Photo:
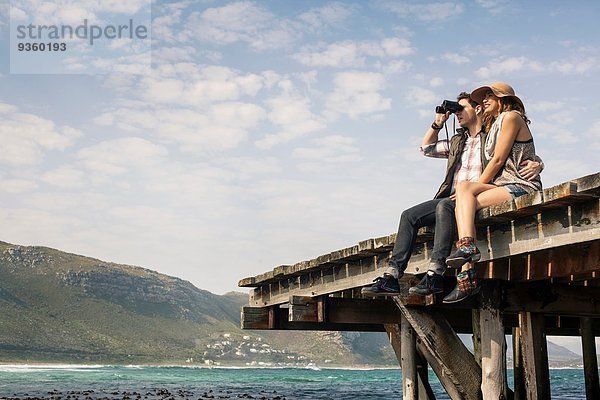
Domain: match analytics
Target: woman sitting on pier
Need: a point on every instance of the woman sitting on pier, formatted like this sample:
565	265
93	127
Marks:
509	143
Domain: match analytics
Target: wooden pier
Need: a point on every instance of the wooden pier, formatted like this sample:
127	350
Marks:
540	272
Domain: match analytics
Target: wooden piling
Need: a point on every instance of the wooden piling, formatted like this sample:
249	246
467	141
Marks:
476	337
493	344
408	361
590	361
518	372
535	356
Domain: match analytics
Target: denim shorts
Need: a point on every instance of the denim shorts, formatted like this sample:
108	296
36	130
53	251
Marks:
515	190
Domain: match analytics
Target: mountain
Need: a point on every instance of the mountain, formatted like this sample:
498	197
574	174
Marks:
62	307
57	306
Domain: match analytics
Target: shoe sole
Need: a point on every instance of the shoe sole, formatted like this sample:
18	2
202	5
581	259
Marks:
459	262
425	294
380	294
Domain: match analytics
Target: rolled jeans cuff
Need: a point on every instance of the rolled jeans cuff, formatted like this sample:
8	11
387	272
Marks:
391	271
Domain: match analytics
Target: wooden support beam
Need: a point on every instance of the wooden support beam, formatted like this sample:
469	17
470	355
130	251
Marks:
535	356
408	361
277	319
552	298
393	332
518	371
448	356
590	361
494	383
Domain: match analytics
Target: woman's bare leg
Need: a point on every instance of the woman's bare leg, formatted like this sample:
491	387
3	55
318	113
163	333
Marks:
467	204
471	203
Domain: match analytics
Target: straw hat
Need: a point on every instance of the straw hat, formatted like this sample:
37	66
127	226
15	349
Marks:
500	89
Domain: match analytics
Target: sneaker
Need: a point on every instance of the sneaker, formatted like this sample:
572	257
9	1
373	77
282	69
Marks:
466	252
385	285
431	283
466	285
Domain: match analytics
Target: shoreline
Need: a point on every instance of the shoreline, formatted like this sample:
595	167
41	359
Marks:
313	366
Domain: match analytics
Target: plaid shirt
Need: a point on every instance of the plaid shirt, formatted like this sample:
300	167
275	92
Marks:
469	167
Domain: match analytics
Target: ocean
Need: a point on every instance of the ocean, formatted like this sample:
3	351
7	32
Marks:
78	382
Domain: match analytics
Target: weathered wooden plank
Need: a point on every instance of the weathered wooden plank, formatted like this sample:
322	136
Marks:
559	262
589	184
303	313
254	318
590	361
552	298
452	361
535	356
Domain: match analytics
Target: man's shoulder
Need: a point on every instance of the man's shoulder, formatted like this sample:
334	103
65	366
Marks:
458	135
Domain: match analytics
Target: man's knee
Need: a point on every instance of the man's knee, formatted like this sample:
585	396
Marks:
411	214
445	207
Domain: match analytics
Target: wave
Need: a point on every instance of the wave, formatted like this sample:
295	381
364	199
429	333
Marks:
50	367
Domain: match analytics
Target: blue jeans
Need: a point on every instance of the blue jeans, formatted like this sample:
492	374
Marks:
515	190
438	212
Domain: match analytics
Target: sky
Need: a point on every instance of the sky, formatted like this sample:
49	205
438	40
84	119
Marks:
252	134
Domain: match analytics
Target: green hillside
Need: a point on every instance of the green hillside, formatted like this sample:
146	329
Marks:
61	307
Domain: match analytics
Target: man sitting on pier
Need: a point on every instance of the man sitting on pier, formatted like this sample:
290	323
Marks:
466	161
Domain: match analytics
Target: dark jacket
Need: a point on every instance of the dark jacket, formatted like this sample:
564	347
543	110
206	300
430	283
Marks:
457	145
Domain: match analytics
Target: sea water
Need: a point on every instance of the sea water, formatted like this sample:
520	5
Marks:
72	382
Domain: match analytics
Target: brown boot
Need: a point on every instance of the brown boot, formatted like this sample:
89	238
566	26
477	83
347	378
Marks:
466	285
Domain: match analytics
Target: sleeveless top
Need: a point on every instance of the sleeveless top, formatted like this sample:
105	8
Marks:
520	151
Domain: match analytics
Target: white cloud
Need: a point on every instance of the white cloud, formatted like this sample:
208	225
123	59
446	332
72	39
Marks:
436	81
241	21
455	58
196	107
426	12
168	18
395	67
501	66
330	149
558	133
357	93
17	185
292	115
25	138
578	66
334	14
354	54
190	84
17	14
593	135
218	127
544	106
421	96
494	6
119	156
64	177
74	11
